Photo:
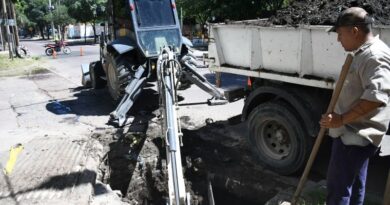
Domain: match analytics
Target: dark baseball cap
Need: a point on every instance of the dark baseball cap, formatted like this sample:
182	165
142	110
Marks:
353	16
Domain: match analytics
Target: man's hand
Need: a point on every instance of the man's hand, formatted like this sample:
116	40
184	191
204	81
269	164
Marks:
331	120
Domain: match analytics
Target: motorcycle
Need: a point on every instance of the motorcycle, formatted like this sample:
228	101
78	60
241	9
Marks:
58	46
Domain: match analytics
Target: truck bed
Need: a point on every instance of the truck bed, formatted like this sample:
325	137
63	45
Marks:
306	55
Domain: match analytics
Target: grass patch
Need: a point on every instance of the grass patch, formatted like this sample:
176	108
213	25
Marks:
18	66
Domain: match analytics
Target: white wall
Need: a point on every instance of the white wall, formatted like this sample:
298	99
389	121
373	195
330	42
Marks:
77	30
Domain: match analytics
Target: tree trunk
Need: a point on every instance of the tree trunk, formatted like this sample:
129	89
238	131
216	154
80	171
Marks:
41	32
63	29
94	31
48	32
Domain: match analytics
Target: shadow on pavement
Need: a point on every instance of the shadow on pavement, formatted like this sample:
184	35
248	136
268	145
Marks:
60	182
89	102
86	103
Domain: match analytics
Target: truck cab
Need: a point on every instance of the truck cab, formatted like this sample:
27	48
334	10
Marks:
134	34
149	25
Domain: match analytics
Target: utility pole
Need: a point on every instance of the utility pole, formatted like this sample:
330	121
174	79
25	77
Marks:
59	26
7	31
51	14
181	18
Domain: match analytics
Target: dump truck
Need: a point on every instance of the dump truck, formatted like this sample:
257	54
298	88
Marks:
292	71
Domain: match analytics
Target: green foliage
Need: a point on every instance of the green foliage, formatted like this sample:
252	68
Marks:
60	16
86	10
22	19
35	11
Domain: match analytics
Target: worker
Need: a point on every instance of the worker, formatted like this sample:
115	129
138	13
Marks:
362	113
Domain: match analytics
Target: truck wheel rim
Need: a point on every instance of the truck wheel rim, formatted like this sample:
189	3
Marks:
274	140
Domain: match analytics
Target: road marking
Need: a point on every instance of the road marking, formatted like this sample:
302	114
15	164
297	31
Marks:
13	155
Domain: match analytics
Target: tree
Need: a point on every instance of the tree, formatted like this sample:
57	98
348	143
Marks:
22	18
98	9
35	11
61	18
86	11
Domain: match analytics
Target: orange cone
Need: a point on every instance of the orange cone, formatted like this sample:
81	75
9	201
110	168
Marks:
249	82
81	51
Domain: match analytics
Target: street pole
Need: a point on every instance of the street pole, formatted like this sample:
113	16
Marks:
7	31
181	18
51	14
59	26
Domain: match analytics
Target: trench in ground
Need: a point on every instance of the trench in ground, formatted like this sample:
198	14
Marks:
134	161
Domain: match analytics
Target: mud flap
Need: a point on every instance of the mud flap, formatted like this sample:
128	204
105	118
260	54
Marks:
234	93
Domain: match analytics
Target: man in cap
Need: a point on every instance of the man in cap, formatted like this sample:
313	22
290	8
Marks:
362	113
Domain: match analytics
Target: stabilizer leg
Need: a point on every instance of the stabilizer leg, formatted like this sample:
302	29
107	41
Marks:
196	78
133	89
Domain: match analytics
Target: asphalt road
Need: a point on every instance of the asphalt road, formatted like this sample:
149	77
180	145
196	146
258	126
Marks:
66	65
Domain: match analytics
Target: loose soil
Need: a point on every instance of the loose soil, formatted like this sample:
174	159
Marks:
321	12
214	154
134	162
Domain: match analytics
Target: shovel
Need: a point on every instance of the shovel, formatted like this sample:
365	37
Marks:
332	104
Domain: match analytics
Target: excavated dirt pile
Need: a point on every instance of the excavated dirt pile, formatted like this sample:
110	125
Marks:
321	12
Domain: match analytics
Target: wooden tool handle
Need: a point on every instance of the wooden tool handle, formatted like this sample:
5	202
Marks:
386	197
332	104
340	83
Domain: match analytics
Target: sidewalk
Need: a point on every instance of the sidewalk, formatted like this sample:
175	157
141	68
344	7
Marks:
51	170
59	161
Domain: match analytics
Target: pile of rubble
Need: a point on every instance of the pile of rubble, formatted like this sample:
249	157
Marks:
322	12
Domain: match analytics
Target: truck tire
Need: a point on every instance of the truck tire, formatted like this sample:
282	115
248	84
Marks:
117	76
96	72
277	138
